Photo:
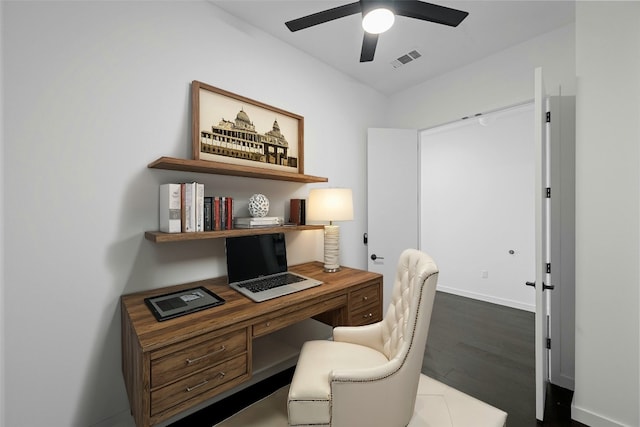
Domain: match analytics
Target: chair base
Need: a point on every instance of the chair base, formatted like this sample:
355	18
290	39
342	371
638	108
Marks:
437	405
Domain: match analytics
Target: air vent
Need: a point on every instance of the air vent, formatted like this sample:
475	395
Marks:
405	59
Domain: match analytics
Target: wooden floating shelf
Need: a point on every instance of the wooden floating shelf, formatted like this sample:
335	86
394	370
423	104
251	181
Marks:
218	168
159	237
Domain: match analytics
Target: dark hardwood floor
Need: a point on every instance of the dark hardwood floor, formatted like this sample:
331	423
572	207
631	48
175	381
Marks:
488	351
482	349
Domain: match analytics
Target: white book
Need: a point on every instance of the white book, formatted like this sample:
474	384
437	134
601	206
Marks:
258	220
170	205
199	199
188	207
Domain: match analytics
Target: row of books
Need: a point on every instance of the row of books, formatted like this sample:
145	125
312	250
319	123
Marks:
185	209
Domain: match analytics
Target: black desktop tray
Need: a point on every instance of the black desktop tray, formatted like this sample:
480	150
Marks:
176	304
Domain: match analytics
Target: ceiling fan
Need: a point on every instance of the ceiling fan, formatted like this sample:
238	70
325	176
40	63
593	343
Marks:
378	16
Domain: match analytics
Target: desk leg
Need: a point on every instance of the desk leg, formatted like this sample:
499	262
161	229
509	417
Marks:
337	317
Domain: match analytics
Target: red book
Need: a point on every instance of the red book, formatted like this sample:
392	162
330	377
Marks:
229	213
295	212
216	209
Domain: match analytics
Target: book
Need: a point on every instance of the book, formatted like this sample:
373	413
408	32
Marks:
251	222
223	213
217	223
199	202
256	225
208	213
170	208
271	220
229	213
188	207
297	211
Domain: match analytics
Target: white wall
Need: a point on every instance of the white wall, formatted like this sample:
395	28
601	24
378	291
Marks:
95	91
607	214
477	193
2	268
497	81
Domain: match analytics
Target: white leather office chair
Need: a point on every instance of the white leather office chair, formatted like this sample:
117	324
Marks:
368	375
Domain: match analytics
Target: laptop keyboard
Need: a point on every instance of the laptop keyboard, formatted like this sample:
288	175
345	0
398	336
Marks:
271	282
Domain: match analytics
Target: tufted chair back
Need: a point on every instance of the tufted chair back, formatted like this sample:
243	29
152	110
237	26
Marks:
399	323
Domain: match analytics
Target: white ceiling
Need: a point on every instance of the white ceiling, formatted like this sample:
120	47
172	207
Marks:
491	26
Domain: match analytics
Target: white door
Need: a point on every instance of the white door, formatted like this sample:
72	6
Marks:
392	200
542	279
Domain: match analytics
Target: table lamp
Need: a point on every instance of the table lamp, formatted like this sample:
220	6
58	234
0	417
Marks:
330	204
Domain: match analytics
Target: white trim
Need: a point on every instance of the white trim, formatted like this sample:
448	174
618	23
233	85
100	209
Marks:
591	419
488	298
463	120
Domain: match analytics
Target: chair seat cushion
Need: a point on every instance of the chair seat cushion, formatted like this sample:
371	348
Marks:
309	400
438	405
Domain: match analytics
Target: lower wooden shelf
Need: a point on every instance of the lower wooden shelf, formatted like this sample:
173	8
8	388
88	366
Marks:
160	237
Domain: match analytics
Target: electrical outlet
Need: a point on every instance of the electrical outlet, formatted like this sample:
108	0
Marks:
484	274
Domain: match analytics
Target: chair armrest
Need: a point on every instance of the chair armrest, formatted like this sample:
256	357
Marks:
368	335
369	375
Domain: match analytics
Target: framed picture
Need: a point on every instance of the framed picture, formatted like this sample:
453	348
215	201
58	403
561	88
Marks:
230	128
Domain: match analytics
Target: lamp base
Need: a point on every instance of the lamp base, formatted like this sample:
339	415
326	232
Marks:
331	248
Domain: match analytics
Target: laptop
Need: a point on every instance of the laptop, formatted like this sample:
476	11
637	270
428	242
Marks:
257	267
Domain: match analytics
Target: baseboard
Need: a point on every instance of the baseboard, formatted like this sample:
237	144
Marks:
589	418
488	298
121	419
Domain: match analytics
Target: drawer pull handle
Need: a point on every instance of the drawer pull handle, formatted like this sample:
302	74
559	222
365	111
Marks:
365	298
222	375
367	316
197	385
197	359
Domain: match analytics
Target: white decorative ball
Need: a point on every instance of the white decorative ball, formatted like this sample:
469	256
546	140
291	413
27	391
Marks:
258	205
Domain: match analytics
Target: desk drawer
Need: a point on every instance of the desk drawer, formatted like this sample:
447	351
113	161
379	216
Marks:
365	296
195	354
365	315
192	386
286	317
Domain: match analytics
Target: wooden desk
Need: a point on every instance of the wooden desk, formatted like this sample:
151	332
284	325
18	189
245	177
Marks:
171	366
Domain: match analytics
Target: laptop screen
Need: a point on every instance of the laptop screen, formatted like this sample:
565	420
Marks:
249	257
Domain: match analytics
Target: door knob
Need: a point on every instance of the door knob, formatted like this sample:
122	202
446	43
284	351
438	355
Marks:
375	257
544	286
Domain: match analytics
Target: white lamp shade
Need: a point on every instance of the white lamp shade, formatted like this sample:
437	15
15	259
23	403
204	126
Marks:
330	204
378	21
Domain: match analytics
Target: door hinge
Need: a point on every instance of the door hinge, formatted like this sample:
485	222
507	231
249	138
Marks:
549	343
548	267
548	116
548	192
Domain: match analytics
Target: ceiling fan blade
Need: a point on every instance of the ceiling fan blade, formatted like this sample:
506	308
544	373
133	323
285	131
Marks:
324	16
368	47
429	12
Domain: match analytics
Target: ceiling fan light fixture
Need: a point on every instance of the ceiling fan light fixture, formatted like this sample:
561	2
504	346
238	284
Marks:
378	21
